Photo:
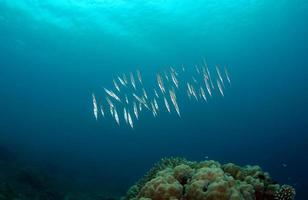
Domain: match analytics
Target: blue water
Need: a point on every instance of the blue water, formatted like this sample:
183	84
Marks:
55	53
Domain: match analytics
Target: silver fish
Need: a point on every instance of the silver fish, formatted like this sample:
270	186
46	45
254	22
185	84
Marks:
111	109
166	76
173	71
130	120
125	115
203	70
153	109
197	69
95	110
140	107
132	80
156	94
102	111
109	102
188	94
167	104
144	93
194	79
210	79
116	116
121	81
139	76
219	76
193	92
124	78
173	99
207	85
135	110
220	87
189	88
174	80
145	104
160	83
112	94
111	106
183	68
208	73
227	76
116	85
156	104
126	99
139	99
203	94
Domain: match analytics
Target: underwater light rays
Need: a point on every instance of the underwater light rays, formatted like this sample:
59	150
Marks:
126	18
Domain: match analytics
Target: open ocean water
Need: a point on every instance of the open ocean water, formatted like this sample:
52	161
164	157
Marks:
54	54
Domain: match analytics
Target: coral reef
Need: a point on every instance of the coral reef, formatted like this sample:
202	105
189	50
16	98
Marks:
286	192
151	174
177	178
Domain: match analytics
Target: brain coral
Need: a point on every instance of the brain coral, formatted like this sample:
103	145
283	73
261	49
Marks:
179	179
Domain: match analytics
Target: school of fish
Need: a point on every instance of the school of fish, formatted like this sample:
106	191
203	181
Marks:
128	97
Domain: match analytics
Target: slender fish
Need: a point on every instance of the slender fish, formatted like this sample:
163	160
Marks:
140	107
203	94
124	78
126	99
197	69
144	93
139	99
167	104
116	116
183	68
166	76
116	85
112	94
208	73
160	83
111	109
220	87
193	92
174	80
125	115
153	109
102	111
207	85
156	94
156	104
227	76
121	81
95	110
173	99
219	76
135	110
130	120
139	76
109	102
132	80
